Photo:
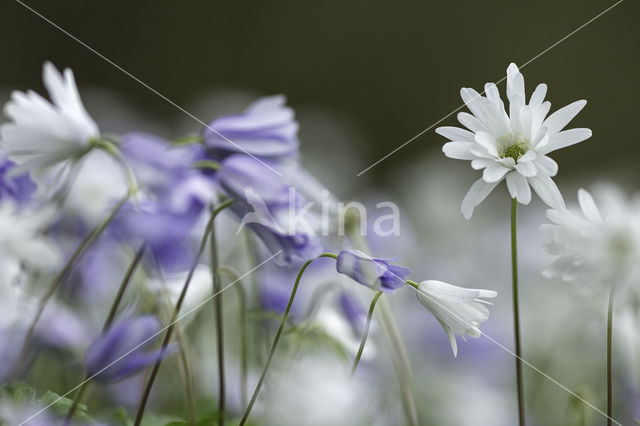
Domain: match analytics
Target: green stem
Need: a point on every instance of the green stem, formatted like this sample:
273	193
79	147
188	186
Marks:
187	377
283	322
366	332
243	330
59	279
609	364
219	326
123	287
397	349
147	391
107	323
516	309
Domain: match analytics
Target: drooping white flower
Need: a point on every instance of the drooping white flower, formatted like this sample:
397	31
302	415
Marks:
42	133
459	310
595	244
513	145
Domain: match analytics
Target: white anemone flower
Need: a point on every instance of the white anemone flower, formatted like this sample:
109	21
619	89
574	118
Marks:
514	145
459	310
595	244
42	133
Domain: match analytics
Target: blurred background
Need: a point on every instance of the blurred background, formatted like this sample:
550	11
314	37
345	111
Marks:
365	77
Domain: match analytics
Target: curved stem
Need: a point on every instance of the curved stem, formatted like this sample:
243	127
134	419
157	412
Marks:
59	279
242	302
283	322
203	242
397	349
609	364
516	309
107	323
219	325
366	332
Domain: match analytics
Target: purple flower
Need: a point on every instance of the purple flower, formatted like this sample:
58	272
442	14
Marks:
266	129
157	164
271	208
19	188
110	351
371	272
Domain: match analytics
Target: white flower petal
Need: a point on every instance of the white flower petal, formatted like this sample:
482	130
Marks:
495	172
477	193
559	119
455	133
547	191
481	163
538	96
526	169
519	188
458	150
565	139
488	141
546	165
588	206
515	83
471	122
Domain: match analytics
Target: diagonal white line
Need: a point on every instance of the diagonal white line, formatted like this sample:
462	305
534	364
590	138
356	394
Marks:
498	82
189	312
503	347
76	39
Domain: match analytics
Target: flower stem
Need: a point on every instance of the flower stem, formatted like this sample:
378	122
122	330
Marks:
219	325
242	302
366	332
176	311
397	349
107	323
609	347
283	322
516	310
59	279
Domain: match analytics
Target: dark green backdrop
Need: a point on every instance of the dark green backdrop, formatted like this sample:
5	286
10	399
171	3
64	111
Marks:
395	67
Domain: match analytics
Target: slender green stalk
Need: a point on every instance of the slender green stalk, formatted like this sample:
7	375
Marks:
366	332
242	315
516	309
219	325
123	287
187	377
397	349
147	391
107	323
59	279
609	364
283	322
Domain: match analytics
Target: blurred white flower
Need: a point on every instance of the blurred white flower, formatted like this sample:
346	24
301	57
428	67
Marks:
459	310
595	244
98	183
43	133
317	390
512	146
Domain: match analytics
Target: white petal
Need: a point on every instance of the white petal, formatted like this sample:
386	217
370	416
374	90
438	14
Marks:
546	165
455	133
488	141
547	191
495	172
588	206
538	96
471	99
458	150
494	95
527	157
477	193
515	83
519	188
526	169
565	139
471	122
481	163
556	121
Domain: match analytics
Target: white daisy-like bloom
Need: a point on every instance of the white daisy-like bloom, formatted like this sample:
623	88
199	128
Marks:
595	245
42	133
459	310
512	146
